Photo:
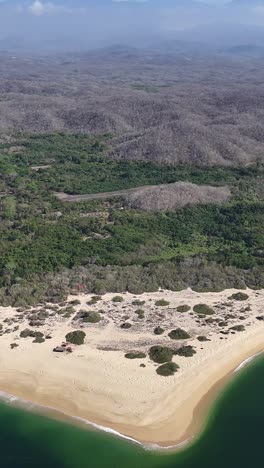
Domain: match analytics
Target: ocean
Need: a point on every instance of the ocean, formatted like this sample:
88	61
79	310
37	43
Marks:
233	436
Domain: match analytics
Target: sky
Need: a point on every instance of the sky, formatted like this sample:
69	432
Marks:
92	23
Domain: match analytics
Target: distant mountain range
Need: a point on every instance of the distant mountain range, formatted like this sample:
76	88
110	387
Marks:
122	3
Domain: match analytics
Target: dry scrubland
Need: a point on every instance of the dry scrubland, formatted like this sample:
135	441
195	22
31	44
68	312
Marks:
164	197
112	376
163	107
176	196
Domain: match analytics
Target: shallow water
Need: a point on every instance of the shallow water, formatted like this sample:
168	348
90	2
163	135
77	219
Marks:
233	436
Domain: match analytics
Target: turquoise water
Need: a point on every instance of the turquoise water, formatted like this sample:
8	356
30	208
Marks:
233	436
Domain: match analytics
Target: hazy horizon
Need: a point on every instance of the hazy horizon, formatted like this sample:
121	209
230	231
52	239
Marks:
94	23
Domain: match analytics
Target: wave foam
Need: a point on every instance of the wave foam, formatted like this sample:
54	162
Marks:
8	398
247	361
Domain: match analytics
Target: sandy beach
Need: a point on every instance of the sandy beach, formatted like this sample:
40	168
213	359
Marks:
97	383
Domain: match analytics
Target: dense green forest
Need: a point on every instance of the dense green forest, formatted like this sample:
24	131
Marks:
41	237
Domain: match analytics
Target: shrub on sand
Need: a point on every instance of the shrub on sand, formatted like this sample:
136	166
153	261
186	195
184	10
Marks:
161	354
183	308
203	309
202	338
187	351
91	317
167	369
179	334
239	296
117	299
135	355
140	313
75	337
162	303
238	328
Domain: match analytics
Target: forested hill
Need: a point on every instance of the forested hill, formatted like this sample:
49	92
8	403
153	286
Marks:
49	247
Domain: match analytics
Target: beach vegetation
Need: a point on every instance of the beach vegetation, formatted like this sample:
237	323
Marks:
203	309
138	302
76	337
27	333
239	296
187	351
202	338
238	328
179	334
140	313
158	330
117	299
161	354
162	303
135	355
89	317
75	302
167	369
94	300
39	339
183	308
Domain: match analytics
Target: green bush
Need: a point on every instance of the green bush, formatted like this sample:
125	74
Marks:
239	296
75	302
94	300
117	299
161	354
203	309
67	315
39	339
183	308
187	351
137	302
135	355
167	369
158	330
238	328
202	338
140	313
162	303
90	317
31	334
75	337
179	334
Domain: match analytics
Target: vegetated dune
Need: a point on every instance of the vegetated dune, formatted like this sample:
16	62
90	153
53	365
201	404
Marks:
208	110
176	196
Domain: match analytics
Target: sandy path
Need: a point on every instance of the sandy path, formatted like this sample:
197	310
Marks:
65	197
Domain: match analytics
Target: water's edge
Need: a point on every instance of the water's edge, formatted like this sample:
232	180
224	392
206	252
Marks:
28	405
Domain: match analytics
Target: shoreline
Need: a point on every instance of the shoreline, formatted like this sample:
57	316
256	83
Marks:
96	387
53	413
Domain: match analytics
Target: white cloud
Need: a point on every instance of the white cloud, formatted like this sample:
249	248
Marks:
40	8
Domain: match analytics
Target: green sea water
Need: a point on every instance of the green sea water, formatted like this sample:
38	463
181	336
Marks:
233	438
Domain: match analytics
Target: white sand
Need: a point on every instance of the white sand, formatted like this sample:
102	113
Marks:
102	386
